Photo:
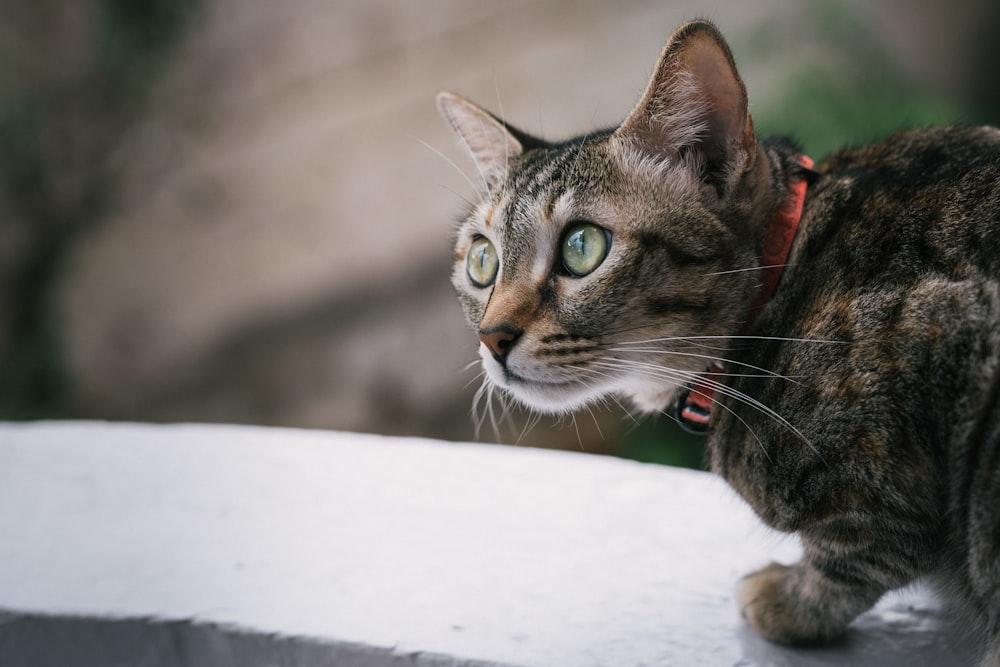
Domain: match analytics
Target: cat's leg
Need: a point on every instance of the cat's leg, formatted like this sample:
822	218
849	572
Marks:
798	604
814	600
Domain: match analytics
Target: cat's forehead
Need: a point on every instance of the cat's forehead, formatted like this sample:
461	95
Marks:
590	179
578	163
547	184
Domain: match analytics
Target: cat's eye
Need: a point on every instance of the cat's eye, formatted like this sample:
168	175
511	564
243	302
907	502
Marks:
482	263
584	247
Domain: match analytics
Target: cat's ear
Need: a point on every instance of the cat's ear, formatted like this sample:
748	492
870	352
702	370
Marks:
491	142
695	106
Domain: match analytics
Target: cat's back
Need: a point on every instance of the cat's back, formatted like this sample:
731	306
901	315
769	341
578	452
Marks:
921	200
898	262
927	198
889	311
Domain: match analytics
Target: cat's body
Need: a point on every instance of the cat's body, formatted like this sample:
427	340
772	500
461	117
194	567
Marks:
859	406
897	260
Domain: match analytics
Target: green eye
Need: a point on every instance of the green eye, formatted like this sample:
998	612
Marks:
481	264
584	247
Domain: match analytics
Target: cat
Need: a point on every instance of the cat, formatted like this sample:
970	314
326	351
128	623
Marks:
834	328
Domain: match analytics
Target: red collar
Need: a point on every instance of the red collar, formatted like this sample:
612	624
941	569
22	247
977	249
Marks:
694	406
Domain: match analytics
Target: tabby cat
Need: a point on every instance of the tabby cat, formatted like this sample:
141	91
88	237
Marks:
836	329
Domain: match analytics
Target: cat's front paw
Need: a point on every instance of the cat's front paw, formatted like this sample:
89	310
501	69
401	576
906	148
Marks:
772	604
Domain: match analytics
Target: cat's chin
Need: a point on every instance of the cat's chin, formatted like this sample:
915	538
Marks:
550	397
563	397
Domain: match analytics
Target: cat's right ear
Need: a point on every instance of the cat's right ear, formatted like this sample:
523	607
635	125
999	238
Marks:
694	108
491	142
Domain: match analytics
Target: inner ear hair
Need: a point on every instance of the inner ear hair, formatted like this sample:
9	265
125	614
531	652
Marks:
695	105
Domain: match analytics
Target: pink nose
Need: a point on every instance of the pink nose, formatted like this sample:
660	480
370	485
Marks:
499	340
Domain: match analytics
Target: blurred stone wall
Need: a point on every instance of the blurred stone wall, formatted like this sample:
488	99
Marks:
253	224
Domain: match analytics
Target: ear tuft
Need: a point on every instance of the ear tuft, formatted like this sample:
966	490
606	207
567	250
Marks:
695	107
490	142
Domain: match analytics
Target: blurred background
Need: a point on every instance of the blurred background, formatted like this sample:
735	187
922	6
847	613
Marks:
241	210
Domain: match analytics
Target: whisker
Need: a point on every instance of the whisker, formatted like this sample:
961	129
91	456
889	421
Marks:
492	412
626	411
451	162
477	418
478	376
533	418
684	377
503	119
597	425
576	160
623	330
465	200
708	357
752	268
683	339
576	428
757	405
525	428
749	430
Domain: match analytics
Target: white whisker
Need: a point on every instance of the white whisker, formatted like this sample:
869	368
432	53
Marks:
684	339
503	120
492	412
533	418
752	268
707	357
576	428
468	202
478	376
749	430
451	162
576	160
481	393
597	425
684	377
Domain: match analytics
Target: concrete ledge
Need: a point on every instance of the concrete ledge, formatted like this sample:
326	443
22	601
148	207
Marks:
220	545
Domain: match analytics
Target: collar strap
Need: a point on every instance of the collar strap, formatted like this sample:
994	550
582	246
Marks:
694	406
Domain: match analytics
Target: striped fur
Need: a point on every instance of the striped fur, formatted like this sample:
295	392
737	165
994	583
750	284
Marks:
861	409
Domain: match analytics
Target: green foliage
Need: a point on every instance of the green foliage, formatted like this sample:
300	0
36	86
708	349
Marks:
136	38
846	89
663	441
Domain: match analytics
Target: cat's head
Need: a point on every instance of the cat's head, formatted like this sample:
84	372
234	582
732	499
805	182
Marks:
609	264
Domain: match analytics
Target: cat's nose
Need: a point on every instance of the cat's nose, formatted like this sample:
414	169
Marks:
499	340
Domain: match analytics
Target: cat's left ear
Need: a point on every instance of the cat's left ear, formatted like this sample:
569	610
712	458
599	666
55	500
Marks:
491	142
695	106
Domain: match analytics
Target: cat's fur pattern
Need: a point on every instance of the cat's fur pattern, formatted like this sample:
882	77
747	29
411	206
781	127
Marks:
861	408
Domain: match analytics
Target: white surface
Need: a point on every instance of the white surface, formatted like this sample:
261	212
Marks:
441	553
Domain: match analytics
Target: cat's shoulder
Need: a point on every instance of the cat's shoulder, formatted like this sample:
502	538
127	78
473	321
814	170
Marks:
920	199
944	150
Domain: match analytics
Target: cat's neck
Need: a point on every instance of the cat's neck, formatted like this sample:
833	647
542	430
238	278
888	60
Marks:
792	171
778	164
779	234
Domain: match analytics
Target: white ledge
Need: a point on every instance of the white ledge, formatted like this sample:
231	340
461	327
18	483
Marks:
221	545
